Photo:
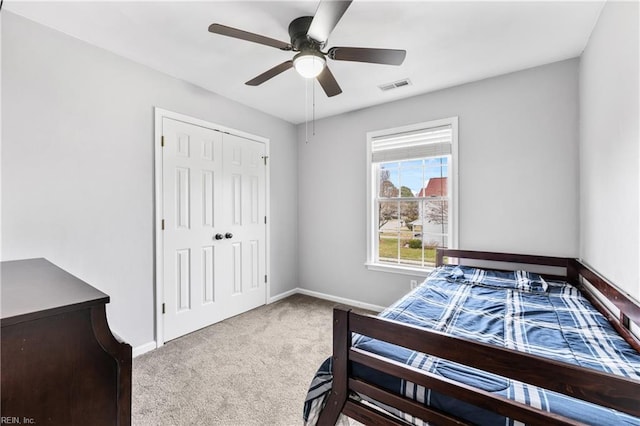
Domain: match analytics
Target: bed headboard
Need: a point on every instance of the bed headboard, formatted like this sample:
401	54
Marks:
512	258
577	272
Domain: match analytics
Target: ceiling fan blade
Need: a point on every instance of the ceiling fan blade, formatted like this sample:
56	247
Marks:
245	35
328	83
270	73
326	19
364	54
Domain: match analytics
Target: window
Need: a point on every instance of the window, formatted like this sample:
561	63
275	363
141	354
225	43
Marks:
412	195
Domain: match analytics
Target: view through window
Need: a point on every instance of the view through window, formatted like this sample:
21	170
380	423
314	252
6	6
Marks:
413	210
412	202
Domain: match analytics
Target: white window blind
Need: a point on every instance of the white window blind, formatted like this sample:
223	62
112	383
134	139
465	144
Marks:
421	143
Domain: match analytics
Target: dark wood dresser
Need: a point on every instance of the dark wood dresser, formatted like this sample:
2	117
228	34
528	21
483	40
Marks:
60	363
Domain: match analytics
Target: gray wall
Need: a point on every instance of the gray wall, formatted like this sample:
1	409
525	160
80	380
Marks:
518	176
609	147
77	166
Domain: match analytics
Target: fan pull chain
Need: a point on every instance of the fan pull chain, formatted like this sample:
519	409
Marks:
306	110
309	81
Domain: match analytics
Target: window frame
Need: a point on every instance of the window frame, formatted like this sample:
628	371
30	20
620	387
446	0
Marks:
372	262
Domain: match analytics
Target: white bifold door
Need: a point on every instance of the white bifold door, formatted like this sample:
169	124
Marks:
214	226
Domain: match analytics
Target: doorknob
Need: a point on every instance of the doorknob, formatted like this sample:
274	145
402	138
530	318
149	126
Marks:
219	236
228	235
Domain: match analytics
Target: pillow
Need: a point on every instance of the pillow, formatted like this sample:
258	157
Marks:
456	273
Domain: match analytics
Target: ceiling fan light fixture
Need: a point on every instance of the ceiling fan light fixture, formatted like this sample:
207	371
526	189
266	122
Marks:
309	63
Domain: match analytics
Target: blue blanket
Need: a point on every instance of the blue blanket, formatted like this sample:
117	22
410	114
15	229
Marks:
515	310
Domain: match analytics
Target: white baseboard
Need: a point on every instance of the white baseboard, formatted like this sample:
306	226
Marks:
143	349
138	350
342	300
117	336
324	296
282	295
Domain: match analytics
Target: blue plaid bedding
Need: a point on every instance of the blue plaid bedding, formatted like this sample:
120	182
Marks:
515	310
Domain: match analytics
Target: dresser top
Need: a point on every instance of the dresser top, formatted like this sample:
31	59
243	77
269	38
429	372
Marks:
36	288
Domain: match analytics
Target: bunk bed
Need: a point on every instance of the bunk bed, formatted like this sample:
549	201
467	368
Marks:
473	345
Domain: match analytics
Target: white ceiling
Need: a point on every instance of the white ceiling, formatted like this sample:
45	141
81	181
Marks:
447	44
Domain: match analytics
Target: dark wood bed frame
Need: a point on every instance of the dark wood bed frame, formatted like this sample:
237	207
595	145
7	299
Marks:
586	384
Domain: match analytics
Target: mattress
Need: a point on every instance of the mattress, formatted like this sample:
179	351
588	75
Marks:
515	310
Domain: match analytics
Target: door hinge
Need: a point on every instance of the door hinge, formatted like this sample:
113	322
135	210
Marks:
264	157
265	220
163	308
162	140
163	224
265	279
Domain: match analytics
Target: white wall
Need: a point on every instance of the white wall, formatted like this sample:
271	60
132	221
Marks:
518	161
77	166
609	147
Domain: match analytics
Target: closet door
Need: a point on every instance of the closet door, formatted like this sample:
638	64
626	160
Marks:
243	216
214	230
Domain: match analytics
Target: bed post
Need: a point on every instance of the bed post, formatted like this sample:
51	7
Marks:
341	346
573	276
439	257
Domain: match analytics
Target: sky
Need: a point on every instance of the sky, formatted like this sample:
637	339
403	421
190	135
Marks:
414	174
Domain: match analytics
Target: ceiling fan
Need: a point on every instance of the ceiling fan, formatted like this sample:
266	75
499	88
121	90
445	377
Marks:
309	35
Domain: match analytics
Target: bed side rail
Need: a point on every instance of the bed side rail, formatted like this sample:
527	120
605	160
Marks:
628	308
590	385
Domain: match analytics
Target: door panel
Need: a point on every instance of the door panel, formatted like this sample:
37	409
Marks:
244	164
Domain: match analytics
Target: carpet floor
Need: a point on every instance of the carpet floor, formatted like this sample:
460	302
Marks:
252	369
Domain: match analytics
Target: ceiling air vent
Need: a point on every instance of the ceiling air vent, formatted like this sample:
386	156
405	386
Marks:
395	84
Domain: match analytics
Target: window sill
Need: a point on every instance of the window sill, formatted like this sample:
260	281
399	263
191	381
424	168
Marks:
405	270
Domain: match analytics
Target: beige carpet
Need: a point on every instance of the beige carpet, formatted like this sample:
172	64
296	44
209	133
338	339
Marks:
253	369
